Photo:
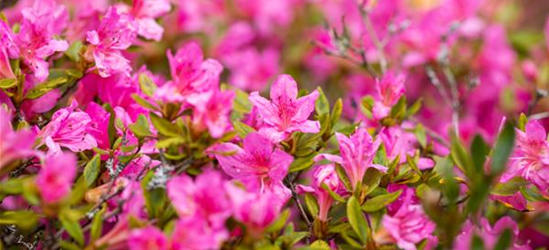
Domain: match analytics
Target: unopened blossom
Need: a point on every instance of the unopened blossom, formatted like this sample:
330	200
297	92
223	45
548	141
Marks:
68	128
489	234
285	113
13	144
389	89
144	12
115	33
203	197
255	210
406	222
530	158
215	113
55	179
194	233
357	154
324	174
35	40
148	238
259	164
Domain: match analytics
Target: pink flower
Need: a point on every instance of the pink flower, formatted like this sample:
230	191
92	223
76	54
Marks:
36	41
357	154
203	197
389	89
407	223
55	178
115	33
530	158
399	142
148	238
194	234
215	113
70	129
324	174
488	234
99	124
260	165
13	144
6	45
255	210
144	12
286	113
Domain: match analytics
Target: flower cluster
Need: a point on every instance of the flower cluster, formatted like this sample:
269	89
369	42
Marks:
260	124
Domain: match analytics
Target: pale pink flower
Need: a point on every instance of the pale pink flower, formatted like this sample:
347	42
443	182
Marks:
13	144
144	12
203	197
389	89
259	164
55	178
148	238
68	128
488	234
530	158
194	233
357	154
115	33
215	113
286	113
324	174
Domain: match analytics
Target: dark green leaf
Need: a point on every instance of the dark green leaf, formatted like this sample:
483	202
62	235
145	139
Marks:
73	228
144	103
302	163
510	187
380	201
92	169
97	224
502	149
505	240
479	150
336	112
312	204
164	126
322	105
279	223
141	127
357	219
371	180
45	87
343	177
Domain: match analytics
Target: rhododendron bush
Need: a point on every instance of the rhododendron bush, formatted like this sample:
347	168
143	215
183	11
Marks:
274	124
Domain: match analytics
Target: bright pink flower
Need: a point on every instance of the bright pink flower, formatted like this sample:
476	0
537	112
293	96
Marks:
203	197
324	174
115	33
389	89
7	48
99	124
215	113
260	165
286	113
144	12
255	210
399	142
194	233
530	158
36	37
488	234
252	69
13	144
357	154
148	238
407	223
70	129
55	178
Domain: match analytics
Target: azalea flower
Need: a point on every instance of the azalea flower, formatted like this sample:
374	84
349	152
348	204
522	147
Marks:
324	174
14	144
144	12
357	154
6	48
399	142
194	233
53	185
488	234
285	113
259	164
148	238
389	89
215	113
115	33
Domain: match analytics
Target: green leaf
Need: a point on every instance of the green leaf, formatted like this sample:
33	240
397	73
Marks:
111	129
510	187
168	142
92	169
45	87
356	219
336	112
502	149
242	102
73	52
144	103
477	243
68	245
420	134
371	180
141	127
7	83
399	110
445	167
333	194
479	150
97	224
380	201
147	84
164	126
302	163
312	204
412	110
460	156
242	129
24	219
73	228
505	240
322	105
320	245
343	177
523	120
412	163
279	223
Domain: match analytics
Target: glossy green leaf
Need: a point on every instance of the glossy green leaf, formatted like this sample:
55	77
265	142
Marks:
380	201
502	149
45	87
7	83
92	169
164	126
322	105
357	219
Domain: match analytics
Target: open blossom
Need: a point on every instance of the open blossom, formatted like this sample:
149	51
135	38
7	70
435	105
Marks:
148	238
6	48
56	176
324	174
13	144
389	89
260	165
286	113
203	197
488	234
406	222
215	113
115	33
69	129
194	233
144	12
357	154
530	158
35	40
399	142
